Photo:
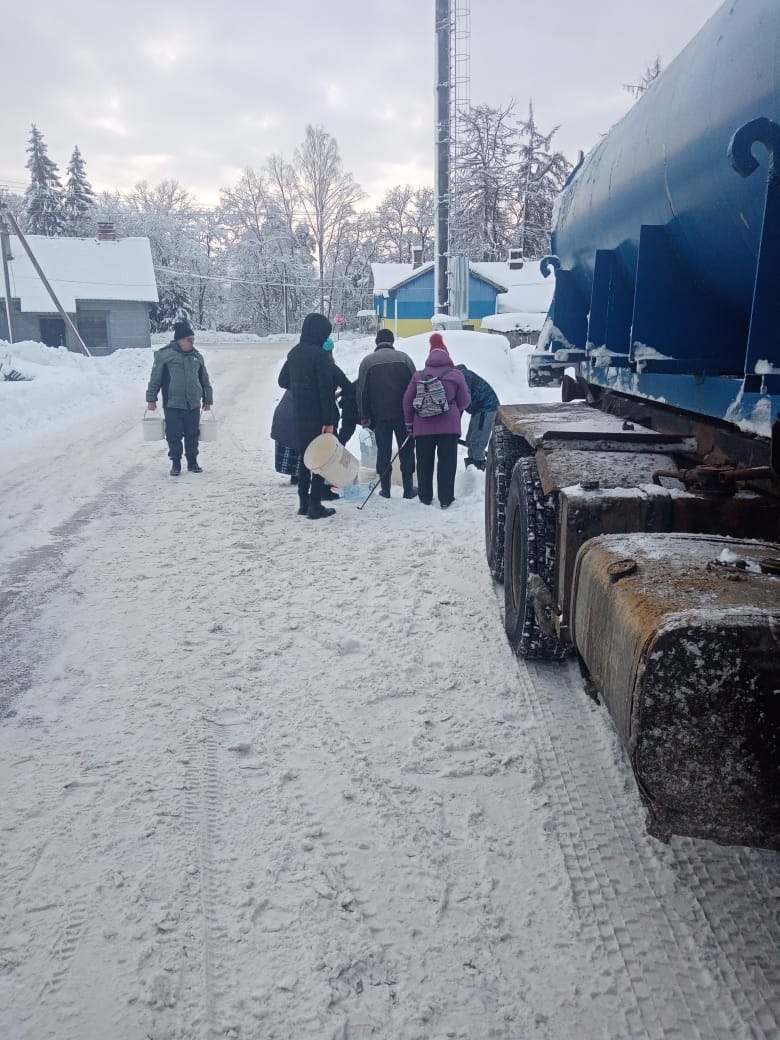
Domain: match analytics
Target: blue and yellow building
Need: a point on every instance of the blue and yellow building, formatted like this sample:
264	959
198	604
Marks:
404	297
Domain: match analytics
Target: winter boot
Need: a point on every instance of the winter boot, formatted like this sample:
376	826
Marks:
410	491
303	508
384	480
329	495
176	468
468	461
193	467
317	511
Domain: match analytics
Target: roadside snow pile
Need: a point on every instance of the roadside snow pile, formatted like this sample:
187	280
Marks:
490	356
60	384
207	338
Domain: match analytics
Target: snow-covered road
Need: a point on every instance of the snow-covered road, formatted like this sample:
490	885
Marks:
270	778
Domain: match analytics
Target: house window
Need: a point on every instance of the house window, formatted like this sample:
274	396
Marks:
93	329
52	331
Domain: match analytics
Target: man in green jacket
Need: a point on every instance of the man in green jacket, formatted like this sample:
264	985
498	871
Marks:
180	372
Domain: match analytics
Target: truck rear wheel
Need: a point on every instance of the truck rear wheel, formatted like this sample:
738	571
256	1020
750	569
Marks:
529	549
503	452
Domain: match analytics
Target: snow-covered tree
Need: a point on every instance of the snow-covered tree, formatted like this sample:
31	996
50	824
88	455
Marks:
483	182
540	176
402	221
43	213
327	195
269	255
79	198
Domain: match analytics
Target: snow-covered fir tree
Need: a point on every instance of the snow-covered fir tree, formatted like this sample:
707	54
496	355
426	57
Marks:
79	199
43	208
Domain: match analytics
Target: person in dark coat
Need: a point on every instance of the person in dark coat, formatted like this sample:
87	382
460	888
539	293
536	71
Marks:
283	433
308	375
483	408
345	412
180	372
382	381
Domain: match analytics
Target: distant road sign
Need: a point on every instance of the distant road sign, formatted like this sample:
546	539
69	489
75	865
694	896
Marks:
339	319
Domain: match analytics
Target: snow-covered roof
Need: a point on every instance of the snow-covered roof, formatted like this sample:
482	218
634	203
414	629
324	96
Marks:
389	276
517	321
529	292
82	269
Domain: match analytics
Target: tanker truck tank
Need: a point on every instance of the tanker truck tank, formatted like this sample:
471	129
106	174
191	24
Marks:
636	524
666	238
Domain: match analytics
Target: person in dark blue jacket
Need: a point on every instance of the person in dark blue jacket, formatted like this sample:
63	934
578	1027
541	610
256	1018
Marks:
483	408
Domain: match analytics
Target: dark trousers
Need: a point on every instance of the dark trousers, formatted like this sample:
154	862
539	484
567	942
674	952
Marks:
383	432
429	447
347	429
310	485
182	422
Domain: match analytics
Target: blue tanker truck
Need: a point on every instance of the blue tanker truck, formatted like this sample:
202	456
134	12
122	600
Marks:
637	523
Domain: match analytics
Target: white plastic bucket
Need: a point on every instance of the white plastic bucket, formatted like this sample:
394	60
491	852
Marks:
327	457
152	426
209	427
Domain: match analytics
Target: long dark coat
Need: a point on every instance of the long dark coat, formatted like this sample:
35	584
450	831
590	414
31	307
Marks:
308	374
283	422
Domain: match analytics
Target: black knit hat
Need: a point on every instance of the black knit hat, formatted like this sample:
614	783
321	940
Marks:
384	336
182	330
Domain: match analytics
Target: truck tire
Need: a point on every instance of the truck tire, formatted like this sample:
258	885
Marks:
529	549
503	452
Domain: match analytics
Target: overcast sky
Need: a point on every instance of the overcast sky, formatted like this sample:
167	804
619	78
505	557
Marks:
198	91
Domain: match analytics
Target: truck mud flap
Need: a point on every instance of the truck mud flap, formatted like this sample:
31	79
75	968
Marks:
681	636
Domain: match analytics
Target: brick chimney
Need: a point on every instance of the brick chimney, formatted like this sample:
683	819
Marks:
106	231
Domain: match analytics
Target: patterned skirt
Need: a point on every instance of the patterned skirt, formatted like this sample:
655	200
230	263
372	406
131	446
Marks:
287	459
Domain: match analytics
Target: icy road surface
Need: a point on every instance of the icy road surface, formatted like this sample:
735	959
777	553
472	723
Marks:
269	778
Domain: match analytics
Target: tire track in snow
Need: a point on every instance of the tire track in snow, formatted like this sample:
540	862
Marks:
677	953
31	579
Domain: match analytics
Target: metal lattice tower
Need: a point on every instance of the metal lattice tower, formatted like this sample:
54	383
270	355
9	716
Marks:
460	64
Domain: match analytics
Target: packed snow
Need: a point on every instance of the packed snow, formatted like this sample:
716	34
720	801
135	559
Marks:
272	779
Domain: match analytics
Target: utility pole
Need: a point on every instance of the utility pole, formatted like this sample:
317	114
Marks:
6	212
5	250
442	154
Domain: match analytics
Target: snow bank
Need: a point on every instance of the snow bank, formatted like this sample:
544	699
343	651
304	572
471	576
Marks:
65	387
207	337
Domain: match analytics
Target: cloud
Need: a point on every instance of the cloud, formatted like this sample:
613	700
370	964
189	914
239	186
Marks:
215	88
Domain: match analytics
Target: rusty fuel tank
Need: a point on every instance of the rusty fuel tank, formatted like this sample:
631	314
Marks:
681	635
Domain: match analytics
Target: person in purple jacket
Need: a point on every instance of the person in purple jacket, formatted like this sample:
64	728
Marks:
436	436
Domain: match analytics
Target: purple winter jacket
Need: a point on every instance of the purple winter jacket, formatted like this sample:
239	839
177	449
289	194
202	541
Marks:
438	363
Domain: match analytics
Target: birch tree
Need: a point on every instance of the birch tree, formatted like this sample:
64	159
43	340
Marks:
327	196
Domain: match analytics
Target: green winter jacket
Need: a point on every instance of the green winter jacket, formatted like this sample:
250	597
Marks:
182	376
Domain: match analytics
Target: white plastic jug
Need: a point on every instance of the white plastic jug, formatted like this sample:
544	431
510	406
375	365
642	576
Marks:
367	448
152	426
331	460
209	427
